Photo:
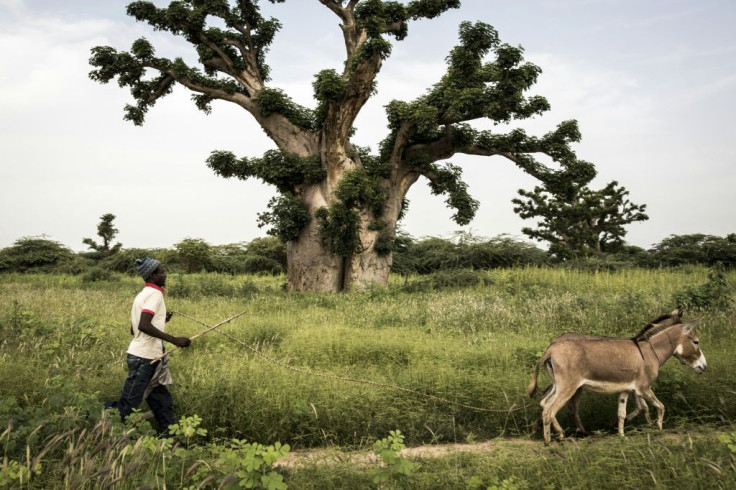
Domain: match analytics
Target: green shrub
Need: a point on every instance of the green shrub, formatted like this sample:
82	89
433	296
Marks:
716	292
124	260
97	274
195	254
34	254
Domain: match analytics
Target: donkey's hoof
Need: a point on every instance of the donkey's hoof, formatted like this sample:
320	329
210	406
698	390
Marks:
581	433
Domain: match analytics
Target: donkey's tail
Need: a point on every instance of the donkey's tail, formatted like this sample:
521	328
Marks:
532	388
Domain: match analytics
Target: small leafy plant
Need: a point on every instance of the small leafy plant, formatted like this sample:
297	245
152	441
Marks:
395	468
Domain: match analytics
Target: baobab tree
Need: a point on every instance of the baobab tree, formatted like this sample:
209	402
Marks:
338	204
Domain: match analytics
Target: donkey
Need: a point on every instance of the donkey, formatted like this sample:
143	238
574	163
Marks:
613	365
673	318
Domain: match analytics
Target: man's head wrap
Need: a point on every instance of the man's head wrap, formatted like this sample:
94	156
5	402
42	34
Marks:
146	266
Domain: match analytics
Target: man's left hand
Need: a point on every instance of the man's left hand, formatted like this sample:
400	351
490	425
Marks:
169	314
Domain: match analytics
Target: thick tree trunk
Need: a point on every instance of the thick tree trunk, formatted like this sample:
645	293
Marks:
312	267
368	267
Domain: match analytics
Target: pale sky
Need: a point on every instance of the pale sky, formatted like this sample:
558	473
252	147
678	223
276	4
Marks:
652	84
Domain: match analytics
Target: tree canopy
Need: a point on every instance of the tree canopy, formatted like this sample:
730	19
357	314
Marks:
107	232
338	203
580	221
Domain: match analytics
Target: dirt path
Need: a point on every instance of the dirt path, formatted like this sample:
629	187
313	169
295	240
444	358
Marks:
335	455
330	456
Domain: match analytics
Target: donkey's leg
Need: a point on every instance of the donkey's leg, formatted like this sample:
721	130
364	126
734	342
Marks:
572	405
622	399
546	421
649	396
640	405
552	405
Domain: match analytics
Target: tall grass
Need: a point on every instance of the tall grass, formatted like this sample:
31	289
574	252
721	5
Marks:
453	348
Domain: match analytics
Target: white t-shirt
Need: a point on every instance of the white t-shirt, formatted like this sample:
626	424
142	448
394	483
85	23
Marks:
149	300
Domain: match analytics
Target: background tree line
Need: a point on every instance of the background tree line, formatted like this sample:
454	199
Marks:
411	255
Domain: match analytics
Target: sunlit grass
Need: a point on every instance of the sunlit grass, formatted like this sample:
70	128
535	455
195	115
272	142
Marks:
451	349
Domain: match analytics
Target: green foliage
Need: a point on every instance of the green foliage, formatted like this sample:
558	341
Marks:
34	254
210	285
698	248
96	274
195	254
188	429
472	89
579	221
189	20
396	468
449	279
359	190
447	181
329	87
716	292
252	463
729	440
287	217
107	232
466	252
124	260
286	171
265	255
272	101
339	227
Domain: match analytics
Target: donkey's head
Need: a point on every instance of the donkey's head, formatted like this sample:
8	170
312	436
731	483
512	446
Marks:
687	349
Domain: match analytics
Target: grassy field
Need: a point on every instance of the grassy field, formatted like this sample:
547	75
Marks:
446	365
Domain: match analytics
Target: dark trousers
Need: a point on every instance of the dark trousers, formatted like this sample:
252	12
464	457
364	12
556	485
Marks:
140	372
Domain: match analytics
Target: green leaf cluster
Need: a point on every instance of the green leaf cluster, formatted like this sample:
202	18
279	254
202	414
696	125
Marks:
340	222
286	171
287	217
339	228
272	100
396	468
448	181
328	87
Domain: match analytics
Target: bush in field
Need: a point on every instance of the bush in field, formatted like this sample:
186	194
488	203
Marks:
124	260
261	256
697	248
716	292
34	254
195	254
96	274
465	252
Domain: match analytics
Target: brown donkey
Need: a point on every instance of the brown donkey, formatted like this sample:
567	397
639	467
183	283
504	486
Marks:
612	365
673	318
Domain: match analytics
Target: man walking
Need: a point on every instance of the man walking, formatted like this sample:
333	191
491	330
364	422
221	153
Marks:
148	381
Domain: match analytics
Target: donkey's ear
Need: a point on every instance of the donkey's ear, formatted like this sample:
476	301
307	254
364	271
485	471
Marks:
689	325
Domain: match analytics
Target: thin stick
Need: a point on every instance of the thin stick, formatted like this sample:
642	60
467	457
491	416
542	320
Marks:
199	335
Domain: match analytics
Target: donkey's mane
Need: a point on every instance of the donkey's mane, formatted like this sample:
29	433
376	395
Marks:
656	326
653	328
